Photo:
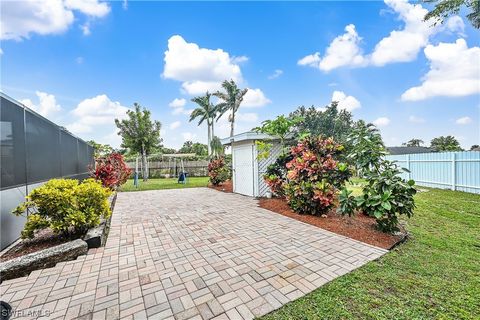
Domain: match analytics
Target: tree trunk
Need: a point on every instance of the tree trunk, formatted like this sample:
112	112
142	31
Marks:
144	165
232	125
209	146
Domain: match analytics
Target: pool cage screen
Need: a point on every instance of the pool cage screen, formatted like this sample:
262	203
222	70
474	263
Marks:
33	151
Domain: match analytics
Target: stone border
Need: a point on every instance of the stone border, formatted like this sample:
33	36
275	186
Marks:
22	266
46	258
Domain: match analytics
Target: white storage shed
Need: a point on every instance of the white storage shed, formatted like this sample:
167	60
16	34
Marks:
248	170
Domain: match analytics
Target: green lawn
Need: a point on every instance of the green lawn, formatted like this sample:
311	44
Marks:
159	184
434	275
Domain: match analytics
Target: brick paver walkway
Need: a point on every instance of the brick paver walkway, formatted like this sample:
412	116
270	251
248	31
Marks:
189	254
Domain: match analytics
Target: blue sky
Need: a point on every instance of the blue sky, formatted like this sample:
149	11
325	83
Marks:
83	63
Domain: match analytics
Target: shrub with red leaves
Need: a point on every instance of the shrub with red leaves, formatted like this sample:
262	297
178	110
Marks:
111	170
218	171
314	175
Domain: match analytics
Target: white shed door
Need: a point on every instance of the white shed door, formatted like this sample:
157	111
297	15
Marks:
243	175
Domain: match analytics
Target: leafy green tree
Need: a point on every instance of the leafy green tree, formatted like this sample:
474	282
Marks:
331	122
475	147
446	8
413	143
140	134
230	101
445	143
205	112
198	148
100	150
218	149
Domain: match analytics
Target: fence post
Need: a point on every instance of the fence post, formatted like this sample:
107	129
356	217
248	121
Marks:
454	180
408	167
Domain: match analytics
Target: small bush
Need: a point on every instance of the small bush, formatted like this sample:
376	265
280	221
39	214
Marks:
315	175
65	206
276	175
111	170
218	171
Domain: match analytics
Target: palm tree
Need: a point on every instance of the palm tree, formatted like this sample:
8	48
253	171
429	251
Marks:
231	100
206	111
217	147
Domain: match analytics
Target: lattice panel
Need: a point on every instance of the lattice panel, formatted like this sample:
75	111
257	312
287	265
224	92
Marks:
275	151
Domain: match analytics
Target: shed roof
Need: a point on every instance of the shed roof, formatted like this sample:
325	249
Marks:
408	150
245	136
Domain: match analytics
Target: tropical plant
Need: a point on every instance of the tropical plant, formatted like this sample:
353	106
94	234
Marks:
475	147
413	143
230	101
205	112
218	149
65	206
218	172
198	148
276	174
328	122
445	143
111	171
315	175
446	8
100	150
140	134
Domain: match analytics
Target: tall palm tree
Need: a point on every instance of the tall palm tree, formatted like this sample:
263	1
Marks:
231	100
206	112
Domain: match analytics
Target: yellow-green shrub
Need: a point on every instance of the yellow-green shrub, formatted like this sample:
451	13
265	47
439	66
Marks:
65	206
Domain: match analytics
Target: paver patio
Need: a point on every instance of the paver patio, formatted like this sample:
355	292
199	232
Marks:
189	254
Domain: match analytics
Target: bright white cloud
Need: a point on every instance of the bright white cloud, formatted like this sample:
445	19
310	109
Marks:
454	71
176	103
246	117
381	122
97	113
46	106
240	59
198	68
277	73
455	24
415	119
255	98
403	45
175	125
344	50
345	102
20	19
463	120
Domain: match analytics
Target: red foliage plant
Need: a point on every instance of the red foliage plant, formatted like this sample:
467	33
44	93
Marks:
111	170
218	171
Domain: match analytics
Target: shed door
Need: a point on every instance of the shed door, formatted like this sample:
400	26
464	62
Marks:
243	175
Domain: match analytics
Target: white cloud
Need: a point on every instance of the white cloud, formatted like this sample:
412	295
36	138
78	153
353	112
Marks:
176	103
240	59
20	19
455	24
255	98
277	73
246	117
463	120
344	50
345	102
86	29
381	122
91	8
415	119
175	125
454	71
97	113
403	45
188	136
200	87
46	106
198	68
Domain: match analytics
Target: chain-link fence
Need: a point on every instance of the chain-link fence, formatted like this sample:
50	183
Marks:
33	151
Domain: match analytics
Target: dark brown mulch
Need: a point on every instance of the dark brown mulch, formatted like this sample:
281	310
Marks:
359	227
224	187
43	239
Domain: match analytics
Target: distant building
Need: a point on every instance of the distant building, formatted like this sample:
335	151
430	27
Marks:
408	150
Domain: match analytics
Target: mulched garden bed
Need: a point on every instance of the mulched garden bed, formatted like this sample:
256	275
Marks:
43	239
360	227
224	187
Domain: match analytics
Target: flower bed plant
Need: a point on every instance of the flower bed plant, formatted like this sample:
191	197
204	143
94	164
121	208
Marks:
218	172
65	206
111	170
315	175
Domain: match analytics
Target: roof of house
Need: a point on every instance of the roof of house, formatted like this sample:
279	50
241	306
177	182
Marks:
408	150
245	136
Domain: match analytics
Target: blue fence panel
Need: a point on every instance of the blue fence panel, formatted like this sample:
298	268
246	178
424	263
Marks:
446	170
